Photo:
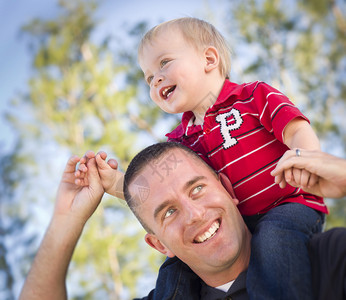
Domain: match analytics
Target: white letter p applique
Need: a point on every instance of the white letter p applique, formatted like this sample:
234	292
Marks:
226	129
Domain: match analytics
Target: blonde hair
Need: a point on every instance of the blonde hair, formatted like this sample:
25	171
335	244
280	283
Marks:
197	32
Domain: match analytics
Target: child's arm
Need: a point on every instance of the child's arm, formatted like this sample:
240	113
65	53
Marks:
112	179
298	134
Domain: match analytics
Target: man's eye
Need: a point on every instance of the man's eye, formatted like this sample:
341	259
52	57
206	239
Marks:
169	212
197	189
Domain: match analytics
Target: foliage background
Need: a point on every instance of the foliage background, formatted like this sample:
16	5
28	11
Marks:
82	89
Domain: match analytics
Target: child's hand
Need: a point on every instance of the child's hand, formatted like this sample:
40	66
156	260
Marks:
82	170
112	179
300	178
296	178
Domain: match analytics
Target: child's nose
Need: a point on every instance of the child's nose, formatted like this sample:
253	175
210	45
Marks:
158	79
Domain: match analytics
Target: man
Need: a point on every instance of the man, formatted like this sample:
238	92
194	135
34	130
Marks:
186	211
189	213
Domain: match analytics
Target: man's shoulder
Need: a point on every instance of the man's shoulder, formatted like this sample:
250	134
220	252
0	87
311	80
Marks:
175	281
330	238
328	264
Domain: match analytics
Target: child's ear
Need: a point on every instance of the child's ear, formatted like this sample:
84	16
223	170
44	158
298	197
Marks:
212	58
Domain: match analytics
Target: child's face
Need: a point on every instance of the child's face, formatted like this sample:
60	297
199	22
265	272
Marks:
175	72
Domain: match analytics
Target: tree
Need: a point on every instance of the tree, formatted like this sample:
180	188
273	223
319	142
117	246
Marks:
298	47
79	102
12	223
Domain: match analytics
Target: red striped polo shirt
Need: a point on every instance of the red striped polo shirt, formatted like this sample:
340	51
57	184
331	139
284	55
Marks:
242	137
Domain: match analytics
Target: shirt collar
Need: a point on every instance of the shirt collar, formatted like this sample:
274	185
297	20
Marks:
186	126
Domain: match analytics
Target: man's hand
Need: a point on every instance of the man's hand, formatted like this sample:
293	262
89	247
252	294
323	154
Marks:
300	178
79	201
330	170
74	205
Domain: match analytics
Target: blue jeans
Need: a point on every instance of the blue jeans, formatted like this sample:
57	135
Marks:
279	265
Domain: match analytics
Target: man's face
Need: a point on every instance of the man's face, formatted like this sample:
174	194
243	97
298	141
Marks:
191	215
175	72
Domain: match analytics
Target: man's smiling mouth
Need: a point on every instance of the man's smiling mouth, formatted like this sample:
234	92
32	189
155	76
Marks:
166	92
209	233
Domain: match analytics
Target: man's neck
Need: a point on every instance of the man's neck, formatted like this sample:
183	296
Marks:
234	268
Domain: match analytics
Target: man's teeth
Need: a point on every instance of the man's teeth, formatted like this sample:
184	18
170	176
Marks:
208	234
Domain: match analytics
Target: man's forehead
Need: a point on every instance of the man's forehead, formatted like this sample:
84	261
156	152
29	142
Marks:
170	167
156	176
165	165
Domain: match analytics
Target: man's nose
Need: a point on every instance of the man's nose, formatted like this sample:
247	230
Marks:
194	211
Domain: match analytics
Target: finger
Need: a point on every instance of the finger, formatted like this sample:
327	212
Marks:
83	160
313	180
278	178
297	176
102	154
89	154
282	183
288	154
71	164
113	163
305	178
81	182
288	160
288	175
79	174
101	163
93	174
82	168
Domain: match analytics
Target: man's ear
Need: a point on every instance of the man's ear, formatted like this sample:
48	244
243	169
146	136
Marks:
212	58
228	186
155	243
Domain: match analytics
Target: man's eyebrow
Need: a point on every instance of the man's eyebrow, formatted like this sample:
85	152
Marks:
193	181
168	202
161	207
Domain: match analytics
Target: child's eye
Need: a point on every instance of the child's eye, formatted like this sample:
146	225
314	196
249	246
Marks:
163	62
149	79
169	212
197	189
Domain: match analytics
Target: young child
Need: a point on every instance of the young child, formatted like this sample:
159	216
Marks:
241	131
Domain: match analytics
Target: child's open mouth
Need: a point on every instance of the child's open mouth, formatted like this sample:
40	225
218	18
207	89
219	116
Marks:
167	91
